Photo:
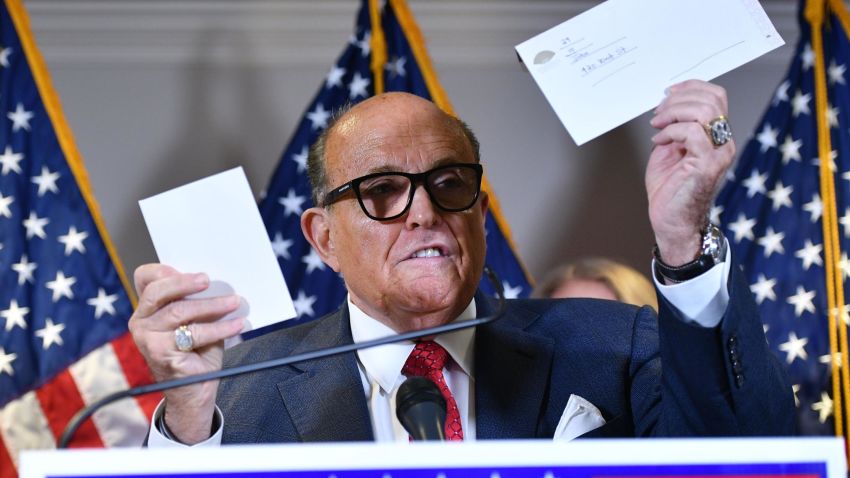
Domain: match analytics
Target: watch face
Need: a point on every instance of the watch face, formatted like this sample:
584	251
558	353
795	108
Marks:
712	242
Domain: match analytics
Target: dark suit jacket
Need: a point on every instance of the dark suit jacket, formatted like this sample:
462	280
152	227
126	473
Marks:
720	381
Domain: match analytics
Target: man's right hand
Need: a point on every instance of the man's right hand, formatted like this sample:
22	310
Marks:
163	307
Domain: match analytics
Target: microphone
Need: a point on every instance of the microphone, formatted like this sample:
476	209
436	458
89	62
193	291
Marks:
86	412
421	408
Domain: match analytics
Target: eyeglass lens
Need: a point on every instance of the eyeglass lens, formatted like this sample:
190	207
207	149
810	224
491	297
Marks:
451	188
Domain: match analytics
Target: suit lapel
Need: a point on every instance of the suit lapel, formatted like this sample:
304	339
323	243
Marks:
325	397
511	375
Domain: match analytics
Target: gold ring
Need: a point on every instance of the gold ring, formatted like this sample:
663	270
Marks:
183	339
718	130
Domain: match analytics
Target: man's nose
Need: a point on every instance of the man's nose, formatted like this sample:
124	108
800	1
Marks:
423	212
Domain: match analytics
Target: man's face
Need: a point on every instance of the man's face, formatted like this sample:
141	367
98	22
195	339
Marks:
380	260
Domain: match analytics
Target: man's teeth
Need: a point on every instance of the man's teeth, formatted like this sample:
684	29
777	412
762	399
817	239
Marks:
430	252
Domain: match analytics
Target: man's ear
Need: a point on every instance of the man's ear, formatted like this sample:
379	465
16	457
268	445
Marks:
315	224
483	204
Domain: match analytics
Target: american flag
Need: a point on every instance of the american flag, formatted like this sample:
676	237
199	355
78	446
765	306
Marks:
63	303
316	289
772	212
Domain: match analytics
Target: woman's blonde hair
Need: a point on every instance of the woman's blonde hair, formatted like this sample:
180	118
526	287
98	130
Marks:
629	285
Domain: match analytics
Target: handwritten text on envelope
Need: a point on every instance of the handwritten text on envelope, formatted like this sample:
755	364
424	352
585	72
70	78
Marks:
613	62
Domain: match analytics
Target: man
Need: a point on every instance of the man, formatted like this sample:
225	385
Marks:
410	246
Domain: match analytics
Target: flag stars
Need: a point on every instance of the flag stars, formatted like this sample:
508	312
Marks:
4	57
358	87
6	360
844	264
836	73
763	289
365	44
791	150
35	226
51	334
800	104
5	201
810	254
755	183
281	246
396	66
802	301
301	159
823	407
103	303
833	155
780	195
795	389
815	208
334	77
772	242
832	116
830	359
292	203
20	118
10	161
46	181
768	138
794	348
743	228
782	93
319	117
845	222
808	57
74	241
61	286
313	261
15	316
304	304
24	268
511	292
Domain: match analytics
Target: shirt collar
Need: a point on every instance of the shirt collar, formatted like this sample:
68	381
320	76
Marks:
383	364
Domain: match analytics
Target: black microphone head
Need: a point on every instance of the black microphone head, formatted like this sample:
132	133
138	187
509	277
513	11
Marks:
421	409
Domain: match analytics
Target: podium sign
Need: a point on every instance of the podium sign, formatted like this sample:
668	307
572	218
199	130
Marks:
793	457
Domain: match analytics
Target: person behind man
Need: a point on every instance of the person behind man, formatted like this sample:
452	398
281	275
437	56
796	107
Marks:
400	216
597	277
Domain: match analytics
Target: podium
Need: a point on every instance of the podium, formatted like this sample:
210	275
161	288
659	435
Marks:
794	457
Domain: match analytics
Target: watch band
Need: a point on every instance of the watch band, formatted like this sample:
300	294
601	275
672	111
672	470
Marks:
712	251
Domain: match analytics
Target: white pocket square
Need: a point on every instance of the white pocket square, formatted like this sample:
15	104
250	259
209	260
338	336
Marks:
579	417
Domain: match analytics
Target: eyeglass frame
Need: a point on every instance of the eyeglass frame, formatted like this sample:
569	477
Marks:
415	179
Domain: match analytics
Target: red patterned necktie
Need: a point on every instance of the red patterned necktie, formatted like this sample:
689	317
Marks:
427	360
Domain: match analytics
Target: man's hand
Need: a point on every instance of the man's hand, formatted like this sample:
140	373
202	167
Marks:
685	168
163	307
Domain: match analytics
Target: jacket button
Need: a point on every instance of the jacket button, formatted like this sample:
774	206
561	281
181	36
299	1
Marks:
739	380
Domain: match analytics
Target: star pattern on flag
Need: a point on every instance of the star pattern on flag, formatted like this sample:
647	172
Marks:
10	161
15	316
773	213
73	241
46	181
61	286
6	360
20	118
315	287
103	303
51	334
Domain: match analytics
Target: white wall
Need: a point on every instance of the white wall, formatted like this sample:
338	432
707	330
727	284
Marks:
159	93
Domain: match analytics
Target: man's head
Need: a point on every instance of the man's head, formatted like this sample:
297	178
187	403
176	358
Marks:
380	260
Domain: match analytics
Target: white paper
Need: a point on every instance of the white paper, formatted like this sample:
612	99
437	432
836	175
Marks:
213	226
613	62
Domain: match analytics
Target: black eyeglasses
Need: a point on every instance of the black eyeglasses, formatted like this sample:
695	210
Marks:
387	196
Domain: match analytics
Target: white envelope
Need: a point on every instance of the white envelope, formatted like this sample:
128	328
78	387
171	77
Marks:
213	226
613	62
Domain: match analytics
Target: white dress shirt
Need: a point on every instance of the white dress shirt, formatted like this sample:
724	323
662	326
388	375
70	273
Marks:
702	300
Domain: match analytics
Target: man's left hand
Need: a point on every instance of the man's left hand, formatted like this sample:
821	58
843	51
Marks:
685	168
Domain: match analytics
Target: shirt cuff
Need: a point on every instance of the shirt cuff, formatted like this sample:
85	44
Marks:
157	437
704	298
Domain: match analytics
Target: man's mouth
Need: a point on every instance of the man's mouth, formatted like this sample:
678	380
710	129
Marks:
427	252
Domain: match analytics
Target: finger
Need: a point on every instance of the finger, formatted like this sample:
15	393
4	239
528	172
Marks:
147	273
697	111
204	335
699	85
168	288
690	134
187	311
710	94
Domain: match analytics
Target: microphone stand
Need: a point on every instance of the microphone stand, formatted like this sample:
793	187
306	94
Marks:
86	412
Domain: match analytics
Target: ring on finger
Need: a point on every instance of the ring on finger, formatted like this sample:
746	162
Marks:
183	338
718	130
